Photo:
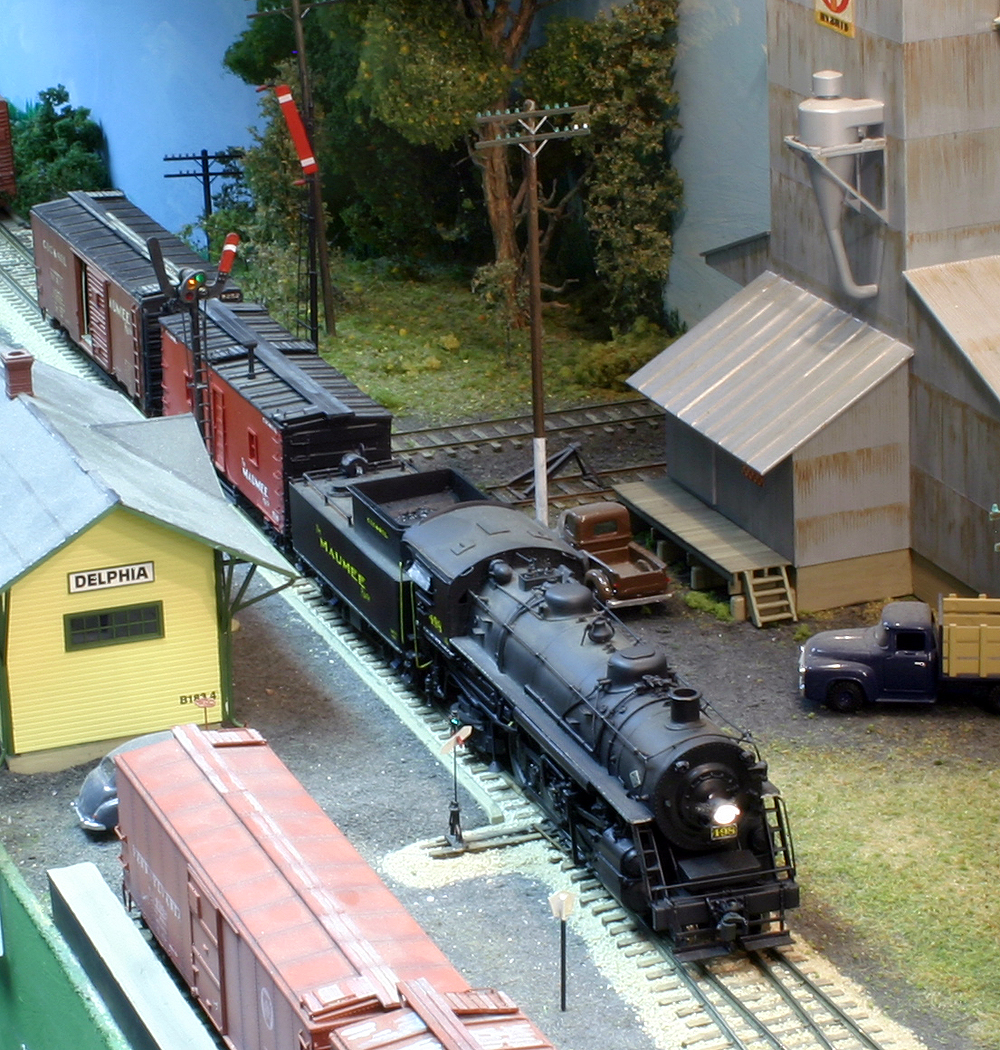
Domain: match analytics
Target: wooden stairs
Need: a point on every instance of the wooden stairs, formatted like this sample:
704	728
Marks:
769	595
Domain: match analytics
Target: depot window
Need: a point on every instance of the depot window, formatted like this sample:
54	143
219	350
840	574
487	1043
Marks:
128	623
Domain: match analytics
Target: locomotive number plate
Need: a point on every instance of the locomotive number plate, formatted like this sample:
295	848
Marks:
728	832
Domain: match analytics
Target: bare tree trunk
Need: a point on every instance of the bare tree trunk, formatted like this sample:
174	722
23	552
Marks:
499	195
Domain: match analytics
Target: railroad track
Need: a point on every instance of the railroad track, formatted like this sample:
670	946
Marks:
17	267
579	487
745	1003
572	479
761	1001
516	431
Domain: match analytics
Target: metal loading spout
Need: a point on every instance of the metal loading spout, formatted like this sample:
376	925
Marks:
831	133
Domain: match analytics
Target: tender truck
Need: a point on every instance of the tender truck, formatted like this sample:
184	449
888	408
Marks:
906	657
620	571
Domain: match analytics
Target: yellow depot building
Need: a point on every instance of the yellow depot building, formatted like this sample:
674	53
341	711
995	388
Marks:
118	557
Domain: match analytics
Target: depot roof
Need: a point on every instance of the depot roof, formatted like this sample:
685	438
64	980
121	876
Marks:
73	451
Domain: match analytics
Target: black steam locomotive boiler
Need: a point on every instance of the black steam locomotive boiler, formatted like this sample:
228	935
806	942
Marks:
488	611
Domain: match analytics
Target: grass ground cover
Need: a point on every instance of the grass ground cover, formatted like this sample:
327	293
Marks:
903	850
427	347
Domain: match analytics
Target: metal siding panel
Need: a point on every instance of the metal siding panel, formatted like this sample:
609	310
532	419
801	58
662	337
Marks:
59	698
768	370
690	459
852	483
960	296
762	505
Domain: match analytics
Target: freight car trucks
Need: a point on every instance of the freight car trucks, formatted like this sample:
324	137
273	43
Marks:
907	657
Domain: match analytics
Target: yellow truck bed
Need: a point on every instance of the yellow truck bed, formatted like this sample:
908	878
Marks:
970	636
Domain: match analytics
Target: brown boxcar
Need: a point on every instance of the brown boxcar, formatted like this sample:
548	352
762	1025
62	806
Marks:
8	184
285	935
270	407
95	279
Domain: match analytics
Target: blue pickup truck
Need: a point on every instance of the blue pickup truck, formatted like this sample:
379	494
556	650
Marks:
907	657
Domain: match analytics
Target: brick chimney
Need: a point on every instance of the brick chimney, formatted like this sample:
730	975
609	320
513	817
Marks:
17	367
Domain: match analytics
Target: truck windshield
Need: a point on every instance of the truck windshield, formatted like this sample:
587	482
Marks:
881	636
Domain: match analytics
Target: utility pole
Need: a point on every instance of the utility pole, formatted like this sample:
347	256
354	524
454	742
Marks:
205	173
531	128
319	255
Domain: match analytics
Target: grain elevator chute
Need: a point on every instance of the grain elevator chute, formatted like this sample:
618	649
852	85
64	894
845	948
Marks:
833	136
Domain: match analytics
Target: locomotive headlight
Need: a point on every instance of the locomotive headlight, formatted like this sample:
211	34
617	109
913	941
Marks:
726	813
718	812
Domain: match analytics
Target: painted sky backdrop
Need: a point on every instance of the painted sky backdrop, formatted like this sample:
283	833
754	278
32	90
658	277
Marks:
151	73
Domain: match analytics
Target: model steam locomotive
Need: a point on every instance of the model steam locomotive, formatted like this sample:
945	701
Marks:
483	608
488	610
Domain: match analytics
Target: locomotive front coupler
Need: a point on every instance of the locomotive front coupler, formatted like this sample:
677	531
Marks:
732	923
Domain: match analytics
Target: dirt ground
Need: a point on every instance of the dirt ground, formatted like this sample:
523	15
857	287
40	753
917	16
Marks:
386	792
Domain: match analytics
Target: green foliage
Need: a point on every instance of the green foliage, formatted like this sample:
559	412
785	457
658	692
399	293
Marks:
706	603
622	63
57	148
425	71
397	85
384	195
606	366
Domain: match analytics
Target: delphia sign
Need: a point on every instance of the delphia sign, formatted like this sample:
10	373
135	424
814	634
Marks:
115	576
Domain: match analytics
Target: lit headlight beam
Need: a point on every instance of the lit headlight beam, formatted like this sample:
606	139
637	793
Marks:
725	813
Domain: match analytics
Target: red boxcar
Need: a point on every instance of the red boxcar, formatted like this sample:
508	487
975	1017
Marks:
285	935
8	184
96	281
270	407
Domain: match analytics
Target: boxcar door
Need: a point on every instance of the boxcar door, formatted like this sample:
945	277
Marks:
206	953
95	323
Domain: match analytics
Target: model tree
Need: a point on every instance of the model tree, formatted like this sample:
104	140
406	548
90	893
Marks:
398	84
57	148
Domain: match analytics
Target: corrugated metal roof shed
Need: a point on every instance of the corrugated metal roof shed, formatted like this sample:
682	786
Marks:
963	297
74	451
768	370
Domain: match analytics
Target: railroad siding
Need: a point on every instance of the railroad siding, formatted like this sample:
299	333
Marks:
59	698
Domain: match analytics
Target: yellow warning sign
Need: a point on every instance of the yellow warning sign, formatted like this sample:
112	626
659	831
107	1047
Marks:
837	15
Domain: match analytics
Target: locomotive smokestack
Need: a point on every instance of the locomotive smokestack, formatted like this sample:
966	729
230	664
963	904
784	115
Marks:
17	367
685	705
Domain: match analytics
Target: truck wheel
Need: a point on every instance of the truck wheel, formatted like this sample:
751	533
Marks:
845	697
991	700
599	583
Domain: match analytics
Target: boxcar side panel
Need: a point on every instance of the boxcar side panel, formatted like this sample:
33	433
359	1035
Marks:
176	360
8	184
123	337
297	945
57	271
247	448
